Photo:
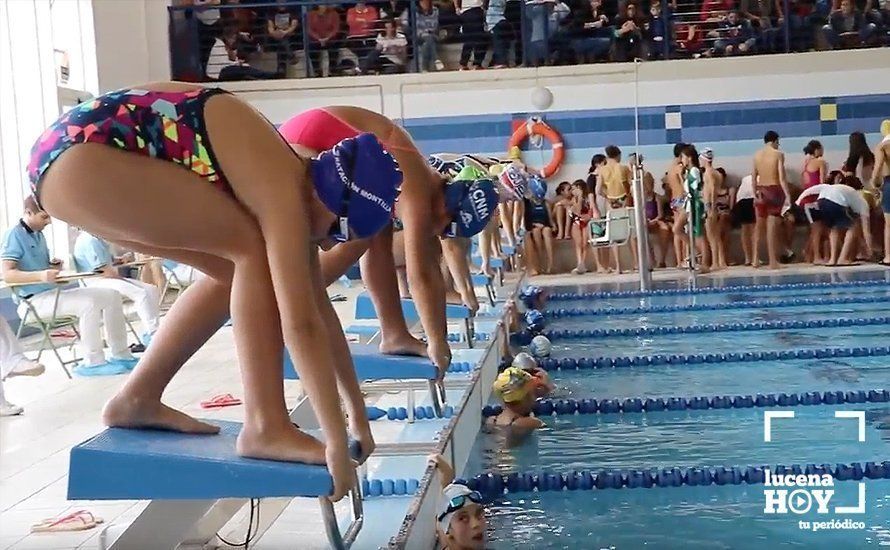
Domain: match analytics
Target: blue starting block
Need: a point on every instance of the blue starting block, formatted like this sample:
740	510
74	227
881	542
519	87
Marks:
183	475
364	309
371	366
481	279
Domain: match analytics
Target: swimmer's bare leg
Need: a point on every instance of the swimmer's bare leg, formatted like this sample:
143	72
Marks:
774	240
379	275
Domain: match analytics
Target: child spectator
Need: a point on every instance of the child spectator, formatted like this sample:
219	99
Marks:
734	35
324	26
427	23
538	228
657	32
391	52
560	208
629	34
515	388
815	169
281	27
860	159
472	29
580	214
361	22
592	36
847	27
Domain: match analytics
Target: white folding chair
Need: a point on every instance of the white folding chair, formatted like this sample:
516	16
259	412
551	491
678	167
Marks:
618	229
47	326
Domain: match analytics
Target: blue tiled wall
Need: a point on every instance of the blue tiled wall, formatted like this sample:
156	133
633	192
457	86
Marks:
808	117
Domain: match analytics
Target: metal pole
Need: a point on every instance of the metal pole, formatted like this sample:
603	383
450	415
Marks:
786	24
639	196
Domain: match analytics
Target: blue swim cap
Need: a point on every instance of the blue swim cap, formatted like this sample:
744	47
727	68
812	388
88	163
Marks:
358	180
471	204
533	317
538	187
448	168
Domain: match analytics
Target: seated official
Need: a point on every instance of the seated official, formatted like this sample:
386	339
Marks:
93	254
25	259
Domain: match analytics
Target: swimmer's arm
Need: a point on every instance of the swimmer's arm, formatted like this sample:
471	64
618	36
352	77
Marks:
754	175
878	169
528	422
283	220
337	261
866	232
344	370
422	263
783	181
446	472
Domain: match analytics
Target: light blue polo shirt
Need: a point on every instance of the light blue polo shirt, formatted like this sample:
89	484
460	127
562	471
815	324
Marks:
27	248
91	253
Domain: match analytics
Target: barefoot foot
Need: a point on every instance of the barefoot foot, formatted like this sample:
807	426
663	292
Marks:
286	444
126	412
405	345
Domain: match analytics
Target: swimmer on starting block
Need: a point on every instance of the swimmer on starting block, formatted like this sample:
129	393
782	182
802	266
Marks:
197	175
429	207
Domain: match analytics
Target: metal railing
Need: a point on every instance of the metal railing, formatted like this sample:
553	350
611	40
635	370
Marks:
251	40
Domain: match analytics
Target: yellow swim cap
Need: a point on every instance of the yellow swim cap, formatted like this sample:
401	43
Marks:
512	385
515	153
885	128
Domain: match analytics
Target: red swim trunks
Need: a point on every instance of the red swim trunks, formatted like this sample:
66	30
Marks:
769	200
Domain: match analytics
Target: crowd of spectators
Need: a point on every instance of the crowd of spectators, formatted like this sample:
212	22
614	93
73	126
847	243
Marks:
380	37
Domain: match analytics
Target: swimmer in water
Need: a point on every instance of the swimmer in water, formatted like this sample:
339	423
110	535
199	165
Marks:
541	380
516	389
460	518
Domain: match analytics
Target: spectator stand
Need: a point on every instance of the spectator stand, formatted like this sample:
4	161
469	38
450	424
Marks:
252	39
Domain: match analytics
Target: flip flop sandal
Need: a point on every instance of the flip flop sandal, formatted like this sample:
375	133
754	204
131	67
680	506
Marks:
221	401
337	298
80	520
63	333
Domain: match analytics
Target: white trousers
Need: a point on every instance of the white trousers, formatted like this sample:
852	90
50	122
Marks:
91	306
10	353
145	297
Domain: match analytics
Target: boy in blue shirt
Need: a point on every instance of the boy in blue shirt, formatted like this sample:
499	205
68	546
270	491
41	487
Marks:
25	259
92	254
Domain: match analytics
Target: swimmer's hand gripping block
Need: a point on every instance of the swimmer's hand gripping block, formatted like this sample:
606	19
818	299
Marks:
364	309
120	464
370	364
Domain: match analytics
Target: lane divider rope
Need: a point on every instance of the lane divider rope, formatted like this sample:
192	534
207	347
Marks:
756	304
556	334
569	363
493	485
710	290
561	407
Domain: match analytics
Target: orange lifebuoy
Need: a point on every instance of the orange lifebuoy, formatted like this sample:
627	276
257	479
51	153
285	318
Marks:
541	128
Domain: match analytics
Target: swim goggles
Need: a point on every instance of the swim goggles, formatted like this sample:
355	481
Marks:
458	502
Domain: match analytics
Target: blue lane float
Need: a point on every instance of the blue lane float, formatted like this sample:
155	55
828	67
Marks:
722	327
493	485
548	407
401	413
710	290
755	304
572	363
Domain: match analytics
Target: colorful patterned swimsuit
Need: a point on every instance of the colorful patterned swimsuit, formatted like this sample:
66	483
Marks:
164	125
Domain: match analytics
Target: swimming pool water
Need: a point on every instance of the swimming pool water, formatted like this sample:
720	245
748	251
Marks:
796	376
709	517
691	518
753	315
666	439
682	300
723	342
